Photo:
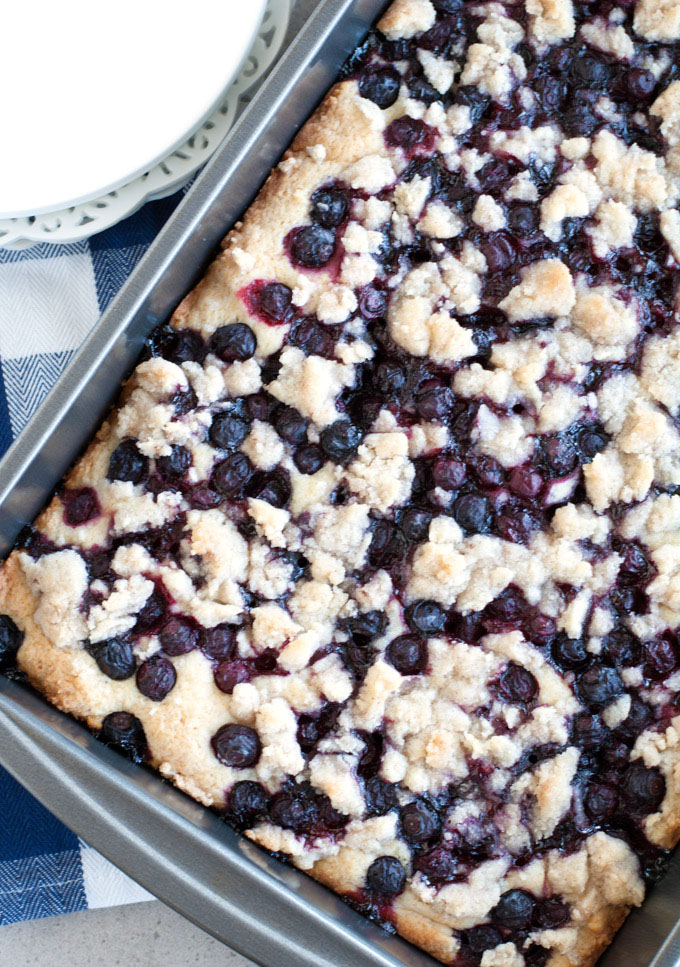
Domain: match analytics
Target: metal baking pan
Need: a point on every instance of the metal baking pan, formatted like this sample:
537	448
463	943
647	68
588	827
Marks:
178	850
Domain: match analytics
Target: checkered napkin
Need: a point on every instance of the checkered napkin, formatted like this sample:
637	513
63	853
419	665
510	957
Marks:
50	297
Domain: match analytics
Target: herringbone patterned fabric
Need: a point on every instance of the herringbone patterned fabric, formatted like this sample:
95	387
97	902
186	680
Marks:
50	297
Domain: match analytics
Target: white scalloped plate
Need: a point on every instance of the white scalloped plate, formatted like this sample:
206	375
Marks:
99	213
107	92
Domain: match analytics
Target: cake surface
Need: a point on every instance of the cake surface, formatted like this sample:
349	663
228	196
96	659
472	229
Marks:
379	553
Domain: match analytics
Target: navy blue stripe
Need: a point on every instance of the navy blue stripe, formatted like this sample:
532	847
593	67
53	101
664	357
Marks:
117	251
42	886
5	427
26	827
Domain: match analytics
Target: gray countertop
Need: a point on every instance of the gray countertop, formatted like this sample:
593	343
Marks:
137	935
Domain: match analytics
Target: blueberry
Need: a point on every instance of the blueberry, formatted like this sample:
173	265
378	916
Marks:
80	505
407	654
218	642
419	822
312	339
508	606
247	802
123	731
622	648
517	685
151	613
156	677
421	89
552	92
515	910
448	473
11	639
340	441
474	99
640	83
635	564
372	303
559	454
661	658
569	653
309	459
600	800
386	876
408	133
274	487
592	441
380	796
234	342
380	86
231	474
483	937
590	71
389	378
329	208
580	121
176	463
643	788
525	482
489	472
388	545
258	406
552	912
178	636
229	674
293	812
368	625
114	658
493	174
274	300
291	426
313	246
447	6
599	686
425	618
472	512
415	524
435	404
499	252
638	719
438	866
227	431
237	746
589	731
127	463
179	346
523	220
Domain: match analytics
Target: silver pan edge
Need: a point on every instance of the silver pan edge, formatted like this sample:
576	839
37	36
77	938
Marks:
176	849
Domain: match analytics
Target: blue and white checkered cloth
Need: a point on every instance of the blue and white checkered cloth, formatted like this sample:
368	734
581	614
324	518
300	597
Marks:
50	297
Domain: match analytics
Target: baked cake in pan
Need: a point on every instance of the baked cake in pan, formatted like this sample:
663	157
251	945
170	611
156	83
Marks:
380	552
